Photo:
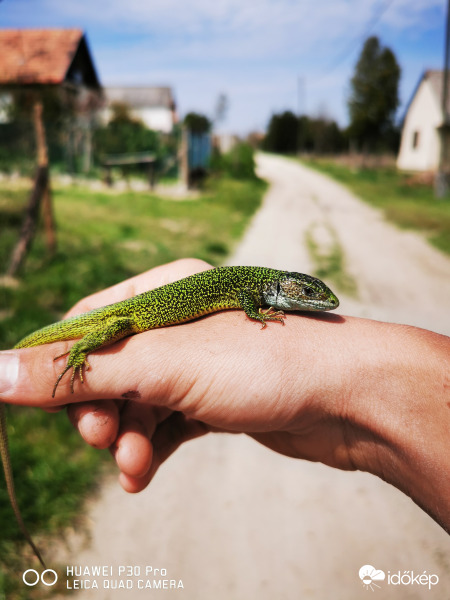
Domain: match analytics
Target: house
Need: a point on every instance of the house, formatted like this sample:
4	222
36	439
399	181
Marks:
420	146
225	142
51	58
54	67
154	106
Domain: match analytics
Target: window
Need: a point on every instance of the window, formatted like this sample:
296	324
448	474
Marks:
6	102
76	76
415	140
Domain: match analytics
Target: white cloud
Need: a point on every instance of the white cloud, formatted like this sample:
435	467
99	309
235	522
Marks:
254	50
253	26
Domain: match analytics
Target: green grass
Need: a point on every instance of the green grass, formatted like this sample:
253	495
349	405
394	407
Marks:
403	200
102	239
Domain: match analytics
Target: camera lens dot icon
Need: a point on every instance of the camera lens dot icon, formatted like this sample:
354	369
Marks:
369	575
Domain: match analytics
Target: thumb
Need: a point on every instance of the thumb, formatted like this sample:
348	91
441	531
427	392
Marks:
27	376
140	367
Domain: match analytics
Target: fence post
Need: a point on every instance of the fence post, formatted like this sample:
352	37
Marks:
40	192
184	157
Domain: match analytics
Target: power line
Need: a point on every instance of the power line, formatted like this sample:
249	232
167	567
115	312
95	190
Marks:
356	41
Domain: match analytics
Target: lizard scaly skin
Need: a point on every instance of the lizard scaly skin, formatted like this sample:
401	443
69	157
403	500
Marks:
246	288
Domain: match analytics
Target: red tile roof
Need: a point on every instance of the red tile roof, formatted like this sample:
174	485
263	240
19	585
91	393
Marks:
40	56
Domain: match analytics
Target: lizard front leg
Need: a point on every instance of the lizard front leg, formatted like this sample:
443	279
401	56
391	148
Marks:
103	335
253	311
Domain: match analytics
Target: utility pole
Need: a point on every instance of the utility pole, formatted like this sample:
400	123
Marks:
441	186
301	109
301	96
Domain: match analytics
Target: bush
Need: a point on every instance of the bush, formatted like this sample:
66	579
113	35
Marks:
124	134
239	163
197	123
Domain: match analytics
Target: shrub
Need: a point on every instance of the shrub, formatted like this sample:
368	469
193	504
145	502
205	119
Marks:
238	163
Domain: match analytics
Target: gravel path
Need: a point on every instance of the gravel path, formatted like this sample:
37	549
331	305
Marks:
235	521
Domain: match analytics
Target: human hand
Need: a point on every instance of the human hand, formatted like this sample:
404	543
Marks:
338	390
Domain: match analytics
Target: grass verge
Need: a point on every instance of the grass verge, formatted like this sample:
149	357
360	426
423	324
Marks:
103	238
403	199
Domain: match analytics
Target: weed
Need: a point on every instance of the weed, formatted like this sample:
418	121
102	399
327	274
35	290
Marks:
328	257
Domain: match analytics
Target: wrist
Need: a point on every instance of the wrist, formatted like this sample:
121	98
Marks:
399	414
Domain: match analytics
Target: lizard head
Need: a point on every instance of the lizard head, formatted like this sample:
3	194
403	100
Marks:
296	291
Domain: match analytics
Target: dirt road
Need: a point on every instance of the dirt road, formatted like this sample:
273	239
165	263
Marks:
399	276
234	521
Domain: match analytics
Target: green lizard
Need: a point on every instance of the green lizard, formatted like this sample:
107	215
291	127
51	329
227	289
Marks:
246	288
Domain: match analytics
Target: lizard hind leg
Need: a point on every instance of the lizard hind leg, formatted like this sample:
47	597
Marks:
104	335
76	361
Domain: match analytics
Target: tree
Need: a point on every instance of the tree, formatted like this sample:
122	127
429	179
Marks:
374	97
319	135
124	134
282	133
197	123
289	134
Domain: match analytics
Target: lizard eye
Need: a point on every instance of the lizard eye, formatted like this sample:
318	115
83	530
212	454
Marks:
309	291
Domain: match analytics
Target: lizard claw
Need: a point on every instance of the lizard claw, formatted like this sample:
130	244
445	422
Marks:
58	379
270	314
75	361
61	355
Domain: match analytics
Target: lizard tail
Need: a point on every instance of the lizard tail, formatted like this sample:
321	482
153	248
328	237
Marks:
4	453
68	329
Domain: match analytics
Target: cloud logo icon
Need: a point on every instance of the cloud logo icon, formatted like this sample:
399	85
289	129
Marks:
369	575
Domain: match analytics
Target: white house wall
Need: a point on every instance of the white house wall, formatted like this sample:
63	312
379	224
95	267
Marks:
422	119
158	119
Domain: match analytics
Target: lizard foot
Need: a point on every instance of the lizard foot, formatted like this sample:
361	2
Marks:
76	361
98	337
270	314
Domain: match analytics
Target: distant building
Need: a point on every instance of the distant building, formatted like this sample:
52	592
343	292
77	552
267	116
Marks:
420	146
45	58
225	142
154	106
53	67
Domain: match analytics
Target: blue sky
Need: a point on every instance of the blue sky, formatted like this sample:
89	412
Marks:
254	51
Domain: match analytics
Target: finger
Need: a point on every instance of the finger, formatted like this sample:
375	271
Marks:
168	436
132	448
140	283
97	422
124	370
28	375
15	386
174	366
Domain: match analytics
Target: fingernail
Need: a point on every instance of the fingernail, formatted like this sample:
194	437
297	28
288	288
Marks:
9	371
